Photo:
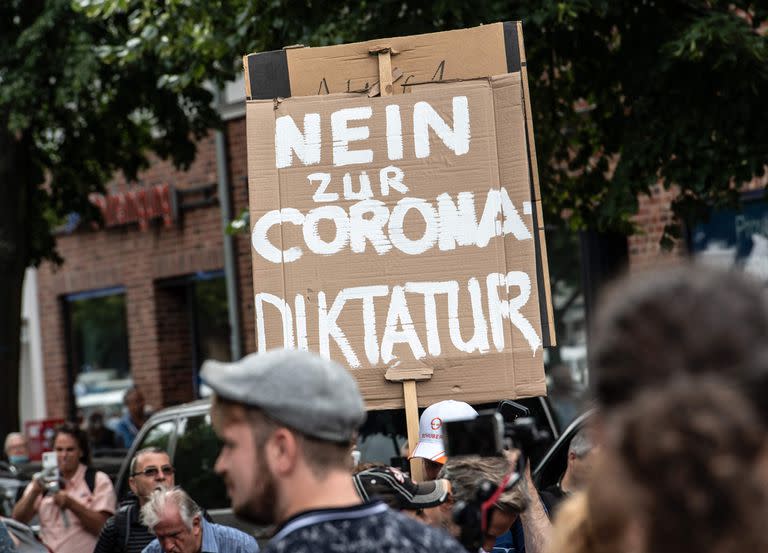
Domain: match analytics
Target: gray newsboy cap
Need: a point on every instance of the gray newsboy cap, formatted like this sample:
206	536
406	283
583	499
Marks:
302	390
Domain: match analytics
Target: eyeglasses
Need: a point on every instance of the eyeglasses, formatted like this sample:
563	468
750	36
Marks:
151	472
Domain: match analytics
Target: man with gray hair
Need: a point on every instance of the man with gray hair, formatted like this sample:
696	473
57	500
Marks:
581	456
16	449
179	526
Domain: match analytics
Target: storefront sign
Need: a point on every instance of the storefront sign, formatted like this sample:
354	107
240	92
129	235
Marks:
139	205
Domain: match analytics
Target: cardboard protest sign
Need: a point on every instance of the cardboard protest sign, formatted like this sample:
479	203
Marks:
433	57
406	230
402	230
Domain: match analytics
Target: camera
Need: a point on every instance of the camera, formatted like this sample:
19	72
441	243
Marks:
51	479
489	435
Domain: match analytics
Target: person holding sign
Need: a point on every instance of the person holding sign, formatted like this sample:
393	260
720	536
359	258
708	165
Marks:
287	419
430	447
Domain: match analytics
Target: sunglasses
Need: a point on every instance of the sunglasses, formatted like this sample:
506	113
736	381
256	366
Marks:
151	472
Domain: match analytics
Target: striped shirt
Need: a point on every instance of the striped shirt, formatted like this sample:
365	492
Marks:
124	532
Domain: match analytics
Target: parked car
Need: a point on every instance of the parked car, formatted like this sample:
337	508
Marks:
185	432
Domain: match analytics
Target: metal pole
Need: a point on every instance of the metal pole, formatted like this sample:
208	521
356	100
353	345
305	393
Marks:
230	267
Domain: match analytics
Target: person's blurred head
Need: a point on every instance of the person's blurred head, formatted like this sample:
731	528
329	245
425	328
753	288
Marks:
466	474
95	421
71	446
150	470
684	320
134	402
681	473
571	530
581	460
16	448
175	519
430	447
279	438
398	491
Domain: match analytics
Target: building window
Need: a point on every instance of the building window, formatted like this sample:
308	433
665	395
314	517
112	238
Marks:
97	343
212	318
194	326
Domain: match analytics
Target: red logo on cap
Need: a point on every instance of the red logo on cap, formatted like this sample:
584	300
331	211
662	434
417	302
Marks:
436	423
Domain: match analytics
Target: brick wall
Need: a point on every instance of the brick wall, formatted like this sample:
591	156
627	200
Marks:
652	215
136	260
176	355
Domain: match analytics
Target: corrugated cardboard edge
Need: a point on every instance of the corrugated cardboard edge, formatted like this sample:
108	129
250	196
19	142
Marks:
507	91
547	322
247	76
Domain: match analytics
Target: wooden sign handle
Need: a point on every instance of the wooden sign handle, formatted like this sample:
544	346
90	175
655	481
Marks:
409	375
412	422
385	73
387	76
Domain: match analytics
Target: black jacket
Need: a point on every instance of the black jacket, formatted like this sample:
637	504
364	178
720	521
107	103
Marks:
124	532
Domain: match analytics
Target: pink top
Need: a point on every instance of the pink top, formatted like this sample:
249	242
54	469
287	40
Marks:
74	539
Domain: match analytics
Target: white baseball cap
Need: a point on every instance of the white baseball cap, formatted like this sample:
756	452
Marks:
430	444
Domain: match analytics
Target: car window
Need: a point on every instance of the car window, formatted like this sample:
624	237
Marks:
196	450
158	436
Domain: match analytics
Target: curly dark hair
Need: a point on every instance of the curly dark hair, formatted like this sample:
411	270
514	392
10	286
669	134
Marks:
79	435
684	320
686	462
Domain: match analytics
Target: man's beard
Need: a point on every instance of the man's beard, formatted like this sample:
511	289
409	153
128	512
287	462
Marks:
260	508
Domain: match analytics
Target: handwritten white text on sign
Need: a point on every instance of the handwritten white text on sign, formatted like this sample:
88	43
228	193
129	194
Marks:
448	220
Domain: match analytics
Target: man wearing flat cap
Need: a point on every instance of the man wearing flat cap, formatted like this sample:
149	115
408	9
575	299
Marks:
287	419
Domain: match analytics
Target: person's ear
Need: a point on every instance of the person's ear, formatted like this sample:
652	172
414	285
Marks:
132	485
196	529
283	451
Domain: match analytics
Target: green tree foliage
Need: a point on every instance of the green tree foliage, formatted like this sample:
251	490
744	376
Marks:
70	117
626	94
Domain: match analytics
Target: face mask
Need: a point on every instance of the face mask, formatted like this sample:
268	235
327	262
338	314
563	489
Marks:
18	459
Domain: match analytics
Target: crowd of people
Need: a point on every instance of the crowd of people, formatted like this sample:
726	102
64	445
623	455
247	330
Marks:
674	460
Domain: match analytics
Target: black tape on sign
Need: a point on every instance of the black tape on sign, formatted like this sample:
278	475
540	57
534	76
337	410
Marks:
512	46
268	73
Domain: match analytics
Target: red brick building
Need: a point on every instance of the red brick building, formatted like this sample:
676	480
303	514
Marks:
146	276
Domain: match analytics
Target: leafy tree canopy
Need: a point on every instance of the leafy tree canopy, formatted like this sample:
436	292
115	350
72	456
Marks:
626	94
